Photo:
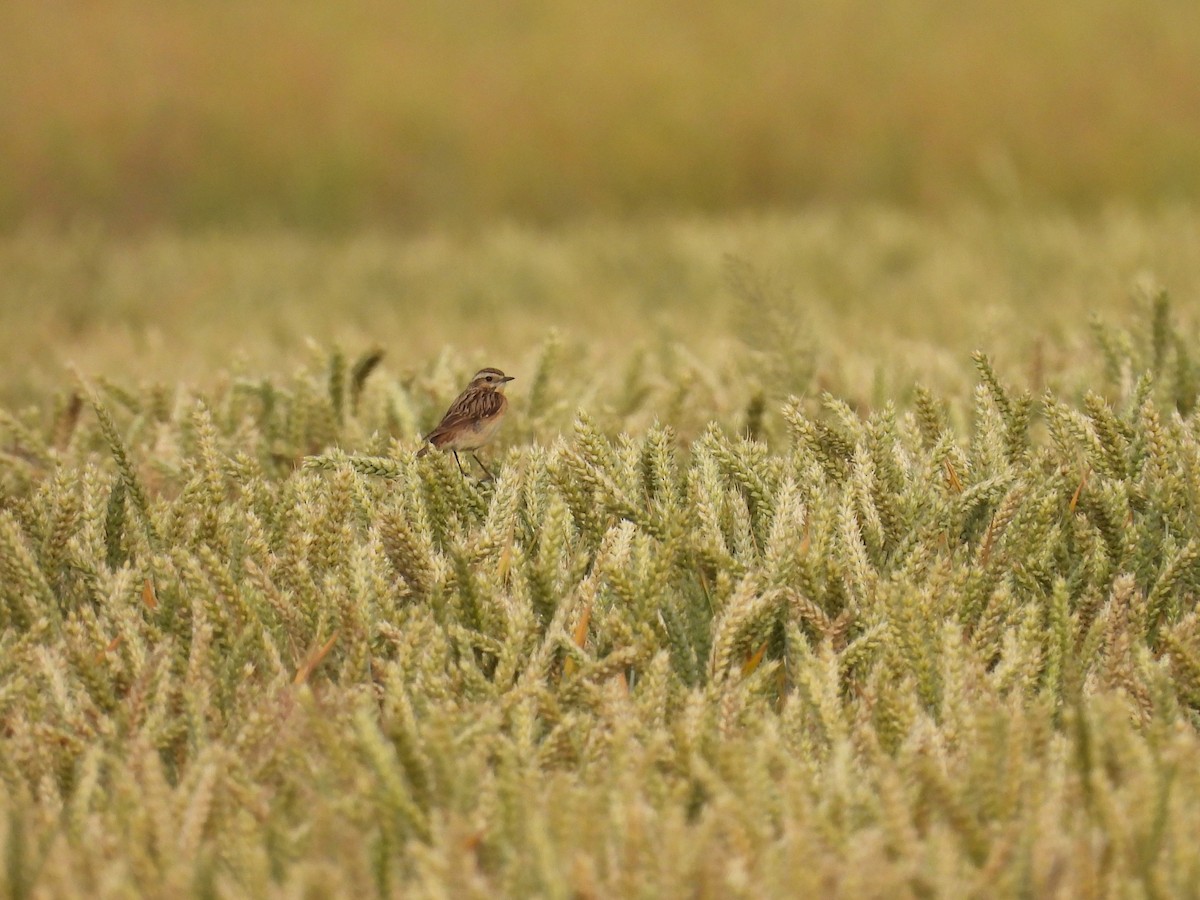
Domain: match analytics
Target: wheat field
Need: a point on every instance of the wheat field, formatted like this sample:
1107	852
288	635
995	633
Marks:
843	553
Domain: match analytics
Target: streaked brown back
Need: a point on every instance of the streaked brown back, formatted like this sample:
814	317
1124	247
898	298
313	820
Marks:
472	405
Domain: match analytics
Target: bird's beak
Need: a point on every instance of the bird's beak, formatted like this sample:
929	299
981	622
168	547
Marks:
508	378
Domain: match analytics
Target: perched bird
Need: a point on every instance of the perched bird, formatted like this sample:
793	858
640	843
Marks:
473	418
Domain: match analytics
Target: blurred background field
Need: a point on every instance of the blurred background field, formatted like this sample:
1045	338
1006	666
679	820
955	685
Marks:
188	188
861	301
684	321
335	116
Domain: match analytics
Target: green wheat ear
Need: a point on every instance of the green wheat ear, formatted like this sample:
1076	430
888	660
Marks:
337	385
373	466
363	367
1161	331
114	526
930	416
547	368
32	445
29	599
129	478
1015	411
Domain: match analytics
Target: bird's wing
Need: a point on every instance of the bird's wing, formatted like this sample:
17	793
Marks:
469	406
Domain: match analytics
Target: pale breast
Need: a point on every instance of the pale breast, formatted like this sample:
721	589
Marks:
479	433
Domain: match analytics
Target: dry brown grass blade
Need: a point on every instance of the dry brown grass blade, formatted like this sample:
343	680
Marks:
358	376
314	660
952	477
110	647
474	841
581	627
579	637
65	426
754	661
805	539
1087	471
986	553
149	595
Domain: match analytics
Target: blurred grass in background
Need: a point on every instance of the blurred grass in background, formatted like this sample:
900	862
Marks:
335	115
862	302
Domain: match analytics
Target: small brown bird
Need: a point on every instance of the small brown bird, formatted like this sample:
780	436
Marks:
473	418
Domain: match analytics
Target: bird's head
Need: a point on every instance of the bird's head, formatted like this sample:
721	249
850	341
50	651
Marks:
490	379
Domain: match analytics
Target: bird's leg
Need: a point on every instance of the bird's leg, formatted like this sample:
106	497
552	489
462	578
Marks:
482	466
459	464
